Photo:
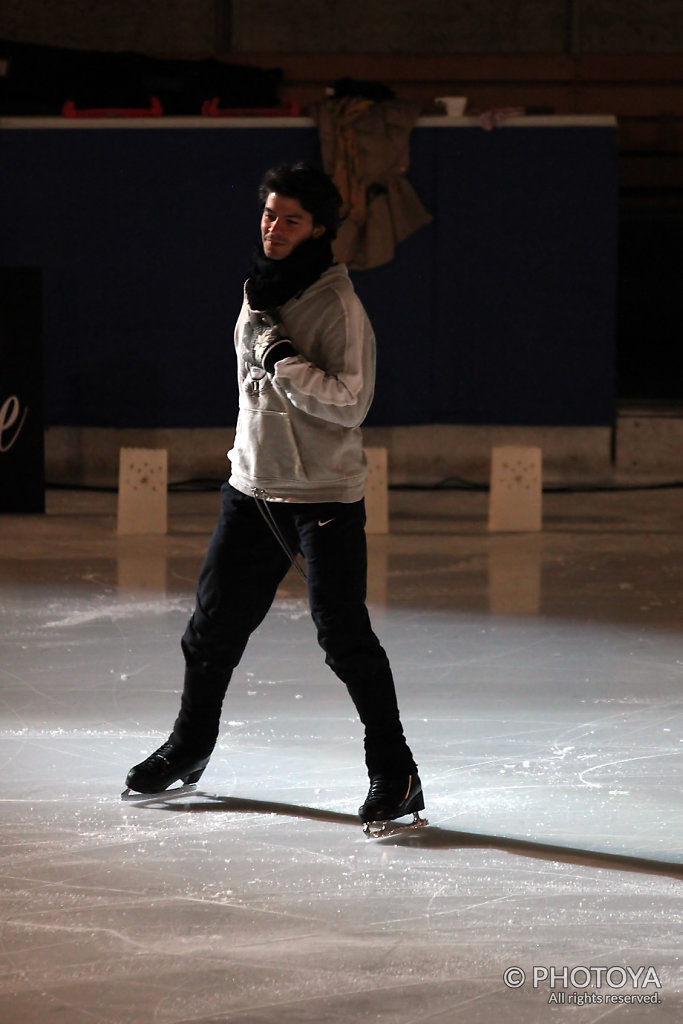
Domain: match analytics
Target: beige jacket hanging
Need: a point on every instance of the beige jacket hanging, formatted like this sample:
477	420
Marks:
366	149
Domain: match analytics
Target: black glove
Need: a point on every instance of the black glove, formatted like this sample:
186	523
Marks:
265	340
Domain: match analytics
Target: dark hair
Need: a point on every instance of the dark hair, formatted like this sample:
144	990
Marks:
314	189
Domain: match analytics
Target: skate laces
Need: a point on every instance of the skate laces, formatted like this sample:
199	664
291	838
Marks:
163	752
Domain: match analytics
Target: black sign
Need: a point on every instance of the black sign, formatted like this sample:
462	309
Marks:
22	453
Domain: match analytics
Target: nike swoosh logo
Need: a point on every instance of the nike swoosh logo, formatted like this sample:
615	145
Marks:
320	523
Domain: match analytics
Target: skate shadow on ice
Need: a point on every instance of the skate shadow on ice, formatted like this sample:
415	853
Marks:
432	837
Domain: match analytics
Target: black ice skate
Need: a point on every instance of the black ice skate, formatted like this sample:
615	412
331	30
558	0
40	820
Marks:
164	767
391	797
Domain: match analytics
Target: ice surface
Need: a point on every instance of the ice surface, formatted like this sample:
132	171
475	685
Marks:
539	678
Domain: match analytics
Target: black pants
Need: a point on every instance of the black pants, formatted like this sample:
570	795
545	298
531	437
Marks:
243	568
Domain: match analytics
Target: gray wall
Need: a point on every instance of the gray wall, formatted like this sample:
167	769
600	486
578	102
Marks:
205	27
155	27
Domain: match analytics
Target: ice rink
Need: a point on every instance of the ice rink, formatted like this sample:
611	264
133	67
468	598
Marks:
540	678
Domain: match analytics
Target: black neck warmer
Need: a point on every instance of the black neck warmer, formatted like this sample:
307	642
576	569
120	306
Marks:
271	283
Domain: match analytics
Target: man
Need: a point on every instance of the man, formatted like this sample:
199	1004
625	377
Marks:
306	369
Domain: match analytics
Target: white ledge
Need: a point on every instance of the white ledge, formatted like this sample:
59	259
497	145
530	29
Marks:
210	123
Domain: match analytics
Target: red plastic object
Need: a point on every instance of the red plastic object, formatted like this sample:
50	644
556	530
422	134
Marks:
155	109
211	108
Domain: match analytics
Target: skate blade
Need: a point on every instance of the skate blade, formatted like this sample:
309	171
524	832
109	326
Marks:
381	829
132	794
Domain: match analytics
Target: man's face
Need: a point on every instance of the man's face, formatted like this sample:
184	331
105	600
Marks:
284	225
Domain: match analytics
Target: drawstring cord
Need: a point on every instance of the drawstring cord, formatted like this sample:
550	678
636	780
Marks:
263	508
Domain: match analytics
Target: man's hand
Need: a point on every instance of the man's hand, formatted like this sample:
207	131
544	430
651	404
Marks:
265	340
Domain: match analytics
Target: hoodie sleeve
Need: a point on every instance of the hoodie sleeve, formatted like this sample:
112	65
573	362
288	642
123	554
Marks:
333	377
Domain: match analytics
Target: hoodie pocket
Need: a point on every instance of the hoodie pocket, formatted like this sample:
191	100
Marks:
265	447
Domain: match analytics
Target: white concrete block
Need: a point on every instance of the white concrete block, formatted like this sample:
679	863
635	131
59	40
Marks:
515	497
377	491
143	483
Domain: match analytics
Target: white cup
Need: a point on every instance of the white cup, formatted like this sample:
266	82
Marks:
454	106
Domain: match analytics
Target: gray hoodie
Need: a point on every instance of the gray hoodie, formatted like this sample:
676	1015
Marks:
298	434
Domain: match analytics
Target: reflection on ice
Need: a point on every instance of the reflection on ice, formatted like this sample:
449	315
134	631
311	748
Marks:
540	680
